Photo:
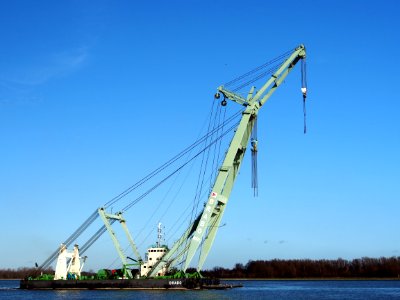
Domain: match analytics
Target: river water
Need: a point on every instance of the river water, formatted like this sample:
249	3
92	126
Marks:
251	290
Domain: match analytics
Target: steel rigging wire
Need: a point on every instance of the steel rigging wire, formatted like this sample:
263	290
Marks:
70	239
127	207
250	76
168	163
304	90
75	235
204	160
214	123
236	84
98	233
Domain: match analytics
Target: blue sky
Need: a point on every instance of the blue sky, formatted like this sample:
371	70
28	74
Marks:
94	95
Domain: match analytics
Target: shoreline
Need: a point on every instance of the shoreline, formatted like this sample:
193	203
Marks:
314	279
285	279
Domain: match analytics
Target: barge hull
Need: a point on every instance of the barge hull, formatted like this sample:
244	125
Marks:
185	283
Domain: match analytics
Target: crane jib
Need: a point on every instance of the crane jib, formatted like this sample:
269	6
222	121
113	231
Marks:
201	233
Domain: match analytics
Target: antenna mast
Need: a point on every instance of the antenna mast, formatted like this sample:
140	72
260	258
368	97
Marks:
160	236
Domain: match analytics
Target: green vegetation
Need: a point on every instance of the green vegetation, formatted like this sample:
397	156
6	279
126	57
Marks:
283	269
306	268
20	273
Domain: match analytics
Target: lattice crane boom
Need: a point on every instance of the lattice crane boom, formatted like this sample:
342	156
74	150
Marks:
201	233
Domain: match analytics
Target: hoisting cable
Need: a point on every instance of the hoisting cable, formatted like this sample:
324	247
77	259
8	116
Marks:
181	254
146	225
70	239
254	151
281	57
304	90
94	215
167	208
127	207
182	219
216	145
214	175
95	237
189	171
205	157
168	163
259	76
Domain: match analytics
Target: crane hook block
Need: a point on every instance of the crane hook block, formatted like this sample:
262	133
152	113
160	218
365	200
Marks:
217	95
223	102
304	91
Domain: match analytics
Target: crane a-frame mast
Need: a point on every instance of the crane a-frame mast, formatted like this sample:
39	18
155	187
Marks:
203	230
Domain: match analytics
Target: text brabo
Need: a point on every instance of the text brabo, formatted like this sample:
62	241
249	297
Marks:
204	218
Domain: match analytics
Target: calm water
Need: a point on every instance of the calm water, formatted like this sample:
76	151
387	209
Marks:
252	290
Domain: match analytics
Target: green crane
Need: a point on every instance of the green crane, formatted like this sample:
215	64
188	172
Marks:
108	219
202	231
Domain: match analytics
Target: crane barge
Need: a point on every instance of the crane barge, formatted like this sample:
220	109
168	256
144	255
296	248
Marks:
166	267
